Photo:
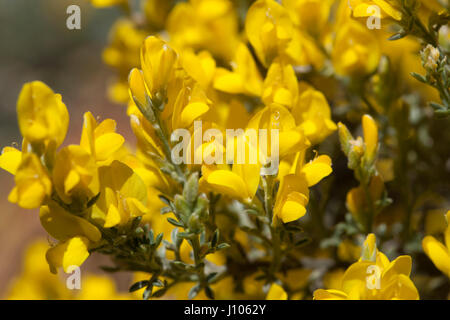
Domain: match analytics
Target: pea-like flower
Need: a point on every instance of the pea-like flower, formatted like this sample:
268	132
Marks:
374	277
438	252
387	9
33	184
43	117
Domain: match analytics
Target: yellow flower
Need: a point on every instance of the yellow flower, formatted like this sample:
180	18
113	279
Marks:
123	195
191	103
312	113
244	78
360	152
10	159
276	117
75	175
374	277
186	101
437	252
356	50
157	62
387	8
309	15
292	198
276	292
204	25
241	182
72	252
43	117
63	225
201	67
293	193
280	85
313	171
269	30
370	130
33	184
100	139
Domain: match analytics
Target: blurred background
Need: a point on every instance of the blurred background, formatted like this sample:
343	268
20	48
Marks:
35	44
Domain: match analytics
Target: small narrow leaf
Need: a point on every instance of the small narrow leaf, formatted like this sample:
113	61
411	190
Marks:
193	292
139	285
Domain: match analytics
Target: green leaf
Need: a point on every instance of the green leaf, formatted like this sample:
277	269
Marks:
147	292
158	239
184	235
194	292
158	283
419	77
211	277
222	246
190	191
159	293
164	199
151	237
301	242
398	36
93	200
209	292
175	222
139	285
166	210
215	238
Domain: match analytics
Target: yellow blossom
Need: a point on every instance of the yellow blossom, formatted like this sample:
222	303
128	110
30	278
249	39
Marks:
10	159
100	139
242	180
75	175
204	25
438	252
276	117
244	78
374	277
269	30
309	15
292	198
387	8
63	225
157	62
72	252
312	113
123	195
43	117
356	50
280	85
33	184
276	292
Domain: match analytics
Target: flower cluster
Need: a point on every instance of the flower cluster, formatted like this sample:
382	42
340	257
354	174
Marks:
261	213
